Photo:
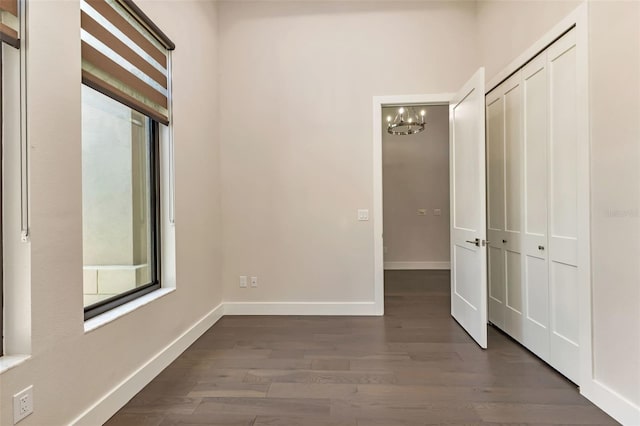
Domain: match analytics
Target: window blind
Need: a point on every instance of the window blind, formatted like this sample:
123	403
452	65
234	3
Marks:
9	22
126	56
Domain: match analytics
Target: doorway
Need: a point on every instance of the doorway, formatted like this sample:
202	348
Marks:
415	175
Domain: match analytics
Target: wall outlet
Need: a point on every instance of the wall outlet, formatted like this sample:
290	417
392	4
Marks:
422	212
254	282
22	404
363	214
437	212
243	281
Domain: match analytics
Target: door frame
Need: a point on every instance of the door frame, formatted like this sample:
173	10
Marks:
378	245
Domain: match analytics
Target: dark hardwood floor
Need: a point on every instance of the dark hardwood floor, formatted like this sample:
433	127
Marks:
414	366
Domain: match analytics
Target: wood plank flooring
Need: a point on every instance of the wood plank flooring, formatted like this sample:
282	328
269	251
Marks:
414	366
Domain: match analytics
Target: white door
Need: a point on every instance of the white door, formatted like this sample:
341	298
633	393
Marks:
504	159
468	209
534	237
563	207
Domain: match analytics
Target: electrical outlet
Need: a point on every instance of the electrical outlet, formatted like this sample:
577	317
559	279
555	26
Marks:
437	212
243	281
22	404
254	282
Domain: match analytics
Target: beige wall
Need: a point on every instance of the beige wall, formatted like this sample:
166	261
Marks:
415	175
506	29
71	370
305	73
514	25
615	194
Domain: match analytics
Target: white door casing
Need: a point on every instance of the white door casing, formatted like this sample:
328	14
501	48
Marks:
468	208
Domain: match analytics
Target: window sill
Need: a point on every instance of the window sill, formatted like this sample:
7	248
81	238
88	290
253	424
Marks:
115	313
7	362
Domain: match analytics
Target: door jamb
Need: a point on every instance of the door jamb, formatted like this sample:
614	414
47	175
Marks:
378	250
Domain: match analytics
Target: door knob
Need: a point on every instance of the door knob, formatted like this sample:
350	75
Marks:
540	247
504	241
476	242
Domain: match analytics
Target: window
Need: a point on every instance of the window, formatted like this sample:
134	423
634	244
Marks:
120	193
126	97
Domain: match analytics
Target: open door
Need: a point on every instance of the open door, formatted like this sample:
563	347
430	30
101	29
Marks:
468	209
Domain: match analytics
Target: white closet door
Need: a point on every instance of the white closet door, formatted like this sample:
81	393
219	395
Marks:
495	206
563	211
511	243
504	171
534	238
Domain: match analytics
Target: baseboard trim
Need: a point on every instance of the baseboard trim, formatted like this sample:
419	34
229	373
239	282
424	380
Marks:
302	308
115	399
611	402
391	266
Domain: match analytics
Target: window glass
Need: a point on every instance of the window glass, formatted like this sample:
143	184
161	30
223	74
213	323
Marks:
118	199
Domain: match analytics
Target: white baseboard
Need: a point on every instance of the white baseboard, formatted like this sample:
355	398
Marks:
302	308
416	265
115	399
612	403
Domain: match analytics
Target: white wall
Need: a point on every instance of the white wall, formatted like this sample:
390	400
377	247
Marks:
305	73
71	370
415	175
506	29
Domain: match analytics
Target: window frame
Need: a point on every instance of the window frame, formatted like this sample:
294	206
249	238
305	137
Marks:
155	208
1	202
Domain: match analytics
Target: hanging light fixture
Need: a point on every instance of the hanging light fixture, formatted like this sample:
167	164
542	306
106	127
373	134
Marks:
406	122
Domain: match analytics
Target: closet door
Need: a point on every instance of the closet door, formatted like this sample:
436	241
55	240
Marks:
563	212
511	243
495	206
504	154
534	237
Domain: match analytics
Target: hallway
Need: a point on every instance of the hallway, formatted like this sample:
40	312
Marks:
414	366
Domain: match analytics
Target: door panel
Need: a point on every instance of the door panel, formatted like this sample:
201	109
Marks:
496	286
563	213
534	238
513	313
504	171
495	167
513	143
535	146
468	209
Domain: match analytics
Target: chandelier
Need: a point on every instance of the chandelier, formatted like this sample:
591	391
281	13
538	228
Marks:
406	122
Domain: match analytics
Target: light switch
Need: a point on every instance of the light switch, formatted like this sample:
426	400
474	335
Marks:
422	212
437	212
363	214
